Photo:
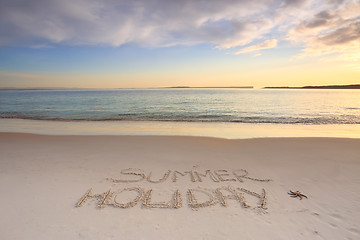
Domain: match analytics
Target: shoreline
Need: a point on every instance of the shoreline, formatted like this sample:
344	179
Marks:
225	130
73	187
84	136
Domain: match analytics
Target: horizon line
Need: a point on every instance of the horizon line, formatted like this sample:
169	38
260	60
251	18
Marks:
181	87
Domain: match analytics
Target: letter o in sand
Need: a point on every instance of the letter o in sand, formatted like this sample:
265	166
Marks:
131	203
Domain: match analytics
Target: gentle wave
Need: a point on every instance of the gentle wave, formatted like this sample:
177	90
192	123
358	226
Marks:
185	105
312	121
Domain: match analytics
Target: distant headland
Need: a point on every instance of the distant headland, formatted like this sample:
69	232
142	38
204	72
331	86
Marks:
211	87
352	86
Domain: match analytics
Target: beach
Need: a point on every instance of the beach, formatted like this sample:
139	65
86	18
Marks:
178	187
180	120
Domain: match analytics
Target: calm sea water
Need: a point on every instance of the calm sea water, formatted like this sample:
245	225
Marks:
188	105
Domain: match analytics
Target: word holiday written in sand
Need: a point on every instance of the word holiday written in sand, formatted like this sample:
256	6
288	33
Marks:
209	197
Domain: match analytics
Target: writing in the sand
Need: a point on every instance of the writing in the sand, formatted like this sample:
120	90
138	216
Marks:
197	197
138	175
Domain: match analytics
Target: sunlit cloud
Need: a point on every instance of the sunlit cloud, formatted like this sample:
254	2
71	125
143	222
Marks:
257	47
333	32
161	23
320	26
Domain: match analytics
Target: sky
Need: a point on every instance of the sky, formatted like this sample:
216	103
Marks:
161	43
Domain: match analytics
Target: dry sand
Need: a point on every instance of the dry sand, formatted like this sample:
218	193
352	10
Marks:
43	178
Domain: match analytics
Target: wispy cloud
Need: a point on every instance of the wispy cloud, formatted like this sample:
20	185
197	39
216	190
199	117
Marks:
333	31
319	25
157	23
257	47
40	46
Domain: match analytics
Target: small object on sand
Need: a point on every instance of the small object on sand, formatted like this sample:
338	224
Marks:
297	194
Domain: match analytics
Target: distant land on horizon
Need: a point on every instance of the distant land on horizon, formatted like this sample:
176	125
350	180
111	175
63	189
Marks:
211	87
352	86
43	88
60	88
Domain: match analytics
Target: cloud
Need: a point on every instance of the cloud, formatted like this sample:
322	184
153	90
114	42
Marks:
228	24
320	19
332	30
146	22
343	35
265	45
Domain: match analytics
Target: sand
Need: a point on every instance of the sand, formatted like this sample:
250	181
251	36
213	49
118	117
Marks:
175	187
228	130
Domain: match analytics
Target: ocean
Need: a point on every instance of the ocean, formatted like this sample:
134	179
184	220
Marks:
276	106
